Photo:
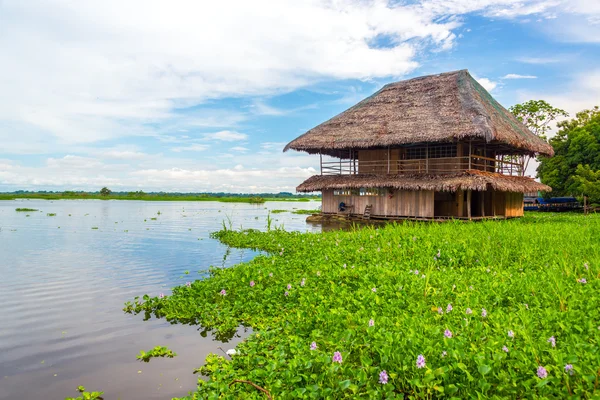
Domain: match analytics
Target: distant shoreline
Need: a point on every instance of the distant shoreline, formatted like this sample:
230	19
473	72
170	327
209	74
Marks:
150	197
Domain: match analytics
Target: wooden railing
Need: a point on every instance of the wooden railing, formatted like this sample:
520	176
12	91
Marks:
426	166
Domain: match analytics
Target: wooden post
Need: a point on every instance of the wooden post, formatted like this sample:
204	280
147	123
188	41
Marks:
469	157
493	203
460	200
427	158
482	195
321	160
388	169
469	204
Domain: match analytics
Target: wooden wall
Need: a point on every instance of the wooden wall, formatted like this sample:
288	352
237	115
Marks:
514	204
427	204
366	159
402	203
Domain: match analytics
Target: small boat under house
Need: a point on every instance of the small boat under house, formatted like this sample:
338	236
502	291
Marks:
433	147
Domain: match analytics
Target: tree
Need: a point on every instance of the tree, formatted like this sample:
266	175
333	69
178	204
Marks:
575	168
105	191
537	116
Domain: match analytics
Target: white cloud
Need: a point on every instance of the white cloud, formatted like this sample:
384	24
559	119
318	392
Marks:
73	162
190	147
240	149
517	76
539	60
488	84
576	94
273	145
226	136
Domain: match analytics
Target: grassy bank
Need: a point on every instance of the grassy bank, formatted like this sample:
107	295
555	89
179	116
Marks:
147	197
504	309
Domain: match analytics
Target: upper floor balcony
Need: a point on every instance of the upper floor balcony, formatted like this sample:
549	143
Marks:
430	159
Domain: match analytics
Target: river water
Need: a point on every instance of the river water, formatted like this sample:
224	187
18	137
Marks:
64	280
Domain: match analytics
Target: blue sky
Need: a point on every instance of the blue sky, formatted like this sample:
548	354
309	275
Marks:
200	96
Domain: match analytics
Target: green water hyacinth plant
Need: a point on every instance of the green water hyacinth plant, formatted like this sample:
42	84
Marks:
464	351
85	395
158	351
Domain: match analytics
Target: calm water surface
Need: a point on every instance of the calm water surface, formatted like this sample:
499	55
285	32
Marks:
63	286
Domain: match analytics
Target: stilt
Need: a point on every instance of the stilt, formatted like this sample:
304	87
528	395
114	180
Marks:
469	204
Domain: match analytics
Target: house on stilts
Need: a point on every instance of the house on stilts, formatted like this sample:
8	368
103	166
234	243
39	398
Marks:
437	146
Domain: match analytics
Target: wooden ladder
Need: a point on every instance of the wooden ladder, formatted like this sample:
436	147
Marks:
367	214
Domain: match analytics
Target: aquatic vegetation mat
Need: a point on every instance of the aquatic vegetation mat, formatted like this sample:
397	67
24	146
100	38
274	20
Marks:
496	309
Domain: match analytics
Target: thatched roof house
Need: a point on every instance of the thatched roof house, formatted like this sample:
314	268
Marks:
443	135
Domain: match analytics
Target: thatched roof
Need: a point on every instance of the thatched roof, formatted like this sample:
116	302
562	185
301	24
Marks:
469	180
437	108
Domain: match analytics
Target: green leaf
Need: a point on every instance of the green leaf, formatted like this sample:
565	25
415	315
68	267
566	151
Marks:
484	369
345	384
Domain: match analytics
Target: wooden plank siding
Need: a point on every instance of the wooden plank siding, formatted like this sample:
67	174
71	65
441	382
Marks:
427	204
403	203
514	204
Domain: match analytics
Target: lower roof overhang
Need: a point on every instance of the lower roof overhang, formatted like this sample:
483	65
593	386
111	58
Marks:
467	180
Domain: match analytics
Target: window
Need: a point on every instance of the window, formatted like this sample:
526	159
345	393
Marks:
372	192
346	192
415	153
442	150
433	150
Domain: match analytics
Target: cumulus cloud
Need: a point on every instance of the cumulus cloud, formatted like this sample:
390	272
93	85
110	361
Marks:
517	76
191	147
488	84
226	136
577	94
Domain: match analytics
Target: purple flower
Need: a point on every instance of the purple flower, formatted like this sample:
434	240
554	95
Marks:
420	361
569	369
223	292
552	341
444	354
483	313
271	274
582	280
188	284
371	322
303	282
440	311
469	311
541	372
318	273
416	272
383	377
337	357
161	296
289	286
587	267
251	283
527	306
505	349
286	293
344	265
449	308
511	334
448	333
374	290
313	346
